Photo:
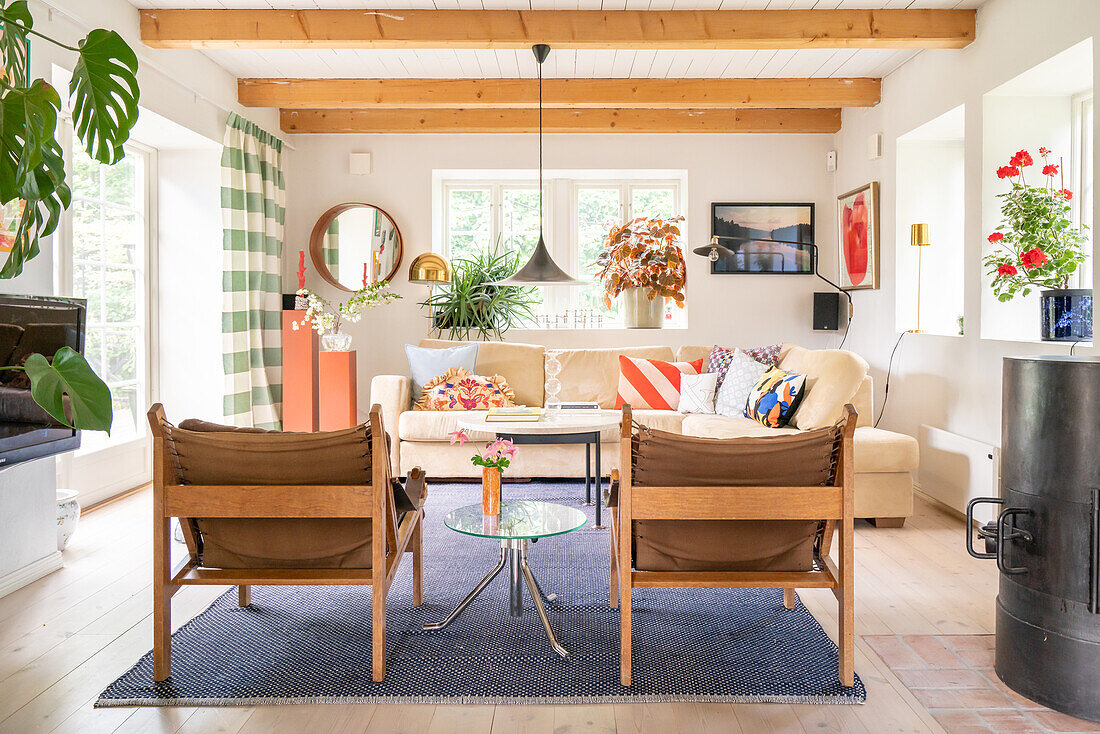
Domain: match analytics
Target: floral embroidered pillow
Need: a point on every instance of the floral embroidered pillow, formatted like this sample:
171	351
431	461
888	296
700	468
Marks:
457	389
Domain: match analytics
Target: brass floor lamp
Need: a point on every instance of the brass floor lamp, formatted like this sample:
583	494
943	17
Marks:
918	237
430	269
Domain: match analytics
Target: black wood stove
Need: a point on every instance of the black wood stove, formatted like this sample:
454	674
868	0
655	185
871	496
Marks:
1046	540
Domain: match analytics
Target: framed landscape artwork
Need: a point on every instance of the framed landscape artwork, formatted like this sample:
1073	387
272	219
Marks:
857	221
791	223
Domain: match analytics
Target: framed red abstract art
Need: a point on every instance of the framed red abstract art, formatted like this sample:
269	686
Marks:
857	222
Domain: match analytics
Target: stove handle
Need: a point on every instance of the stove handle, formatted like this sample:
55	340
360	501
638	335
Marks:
1006	531
986	532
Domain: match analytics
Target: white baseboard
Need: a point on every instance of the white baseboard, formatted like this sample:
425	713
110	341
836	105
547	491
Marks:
20	577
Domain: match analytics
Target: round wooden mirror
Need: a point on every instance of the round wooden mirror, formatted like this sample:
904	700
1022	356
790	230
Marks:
354	244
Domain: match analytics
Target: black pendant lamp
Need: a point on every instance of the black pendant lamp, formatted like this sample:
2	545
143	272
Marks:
540	270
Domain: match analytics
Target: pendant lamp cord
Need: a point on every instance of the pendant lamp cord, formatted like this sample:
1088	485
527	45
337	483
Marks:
540	148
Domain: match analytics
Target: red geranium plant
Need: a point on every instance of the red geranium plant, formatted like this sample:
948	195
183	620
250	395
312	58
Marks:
643	254
1037	244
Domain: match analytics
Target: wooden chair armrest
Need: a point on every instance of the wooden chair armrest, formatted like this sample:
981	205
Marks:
613	490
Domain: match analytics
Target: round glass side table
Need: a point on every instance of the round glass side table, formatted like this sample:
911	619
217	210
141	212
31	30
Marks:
519	523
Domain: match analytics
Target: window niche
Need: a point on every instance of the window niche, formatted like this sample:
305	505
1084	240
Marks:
1045	106
931	184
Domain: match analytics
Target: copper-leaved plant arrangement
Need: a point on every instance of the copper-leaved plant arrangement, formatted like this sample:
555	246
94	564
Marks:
644	253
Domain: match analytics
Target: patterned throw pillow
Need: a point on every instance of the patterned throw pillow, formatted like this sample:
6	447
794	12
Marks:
742	374
651	383
719	359
457	389
697	393
776	397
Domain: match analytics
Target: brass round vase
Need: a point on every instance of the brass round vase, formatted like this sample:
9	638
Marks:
639	312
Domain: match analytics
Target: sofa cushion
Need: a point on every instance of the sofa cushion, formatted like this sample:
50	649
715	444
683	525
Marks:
776	397
461	391
692	352
651	383
592	375
661	420
878	450
722	426
741	375
435	425
520	364
428	363
832	378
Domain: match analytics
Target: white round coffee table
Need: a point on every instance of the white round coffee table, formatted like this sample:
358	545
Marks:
557	427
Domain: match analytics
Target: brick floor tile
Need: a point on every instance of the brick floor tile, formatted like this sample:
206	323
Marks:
1016	699
943	679
895	652
1061	723
962	698
1011	722
977	658
959	643
933	652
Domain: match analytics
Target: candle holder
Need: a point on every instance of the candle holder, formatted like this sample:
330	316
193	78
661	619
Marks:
553	385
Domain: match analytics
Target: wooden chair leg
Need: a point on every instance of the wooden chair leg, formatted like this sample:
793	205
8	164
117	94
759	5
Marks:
417	543
244	595
624	642
845	594
614	563
789	598
378	629
162	600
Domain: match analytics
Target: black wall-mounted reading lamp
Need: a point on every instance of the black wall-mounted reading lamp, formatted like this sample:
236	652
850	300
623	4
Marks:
716	249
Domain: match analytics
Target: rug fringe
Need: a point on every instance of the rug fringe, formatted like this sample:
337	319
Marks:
842	700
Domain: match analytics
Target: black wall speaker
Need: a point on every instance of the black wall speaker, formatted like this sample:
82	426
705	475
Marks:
826	311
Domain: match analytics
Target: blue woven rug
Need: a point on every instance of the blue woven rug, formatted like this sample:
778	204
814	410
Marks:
311	644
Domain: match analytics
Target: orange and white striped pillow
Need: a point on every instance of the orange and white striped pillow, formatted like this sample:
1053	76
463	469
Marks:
651	383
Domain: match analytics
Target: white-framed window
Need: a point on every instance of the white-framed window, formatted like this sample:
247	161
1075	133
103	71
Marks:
104	255
480	211
1082	171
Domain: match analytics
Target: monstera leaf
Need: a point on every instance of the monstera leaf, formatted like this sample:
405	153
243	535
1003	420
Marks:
104	92
13	43
32	168
70	374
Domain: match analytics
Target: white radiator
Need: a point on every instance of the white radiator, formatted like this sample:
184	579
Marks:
955	469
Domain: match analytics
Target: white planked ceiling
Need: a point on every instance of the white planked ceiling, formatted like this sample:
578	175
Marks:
621	63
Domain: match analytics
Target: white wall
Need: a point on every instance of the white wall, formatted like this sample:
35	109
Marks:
743	310
948	382
934	176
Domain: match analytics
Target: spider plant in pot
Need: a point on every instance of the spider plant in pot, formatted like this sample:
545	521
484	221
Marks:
1037	246
642	262
473	305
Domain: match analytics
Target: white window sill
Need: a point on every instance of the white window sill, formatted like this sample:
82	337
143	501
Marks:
1011	340
534	330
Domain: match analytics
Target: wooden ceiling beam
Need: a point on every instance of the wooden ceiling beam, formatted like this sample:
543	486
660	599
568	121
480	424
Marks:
632	29
560	121
565	93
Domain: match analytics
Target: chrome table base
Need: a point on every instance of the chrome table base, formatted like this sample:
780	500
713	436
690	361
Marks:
513	553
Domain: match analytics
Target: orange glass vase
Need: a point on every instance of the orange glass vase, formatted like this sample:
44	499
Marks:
490	490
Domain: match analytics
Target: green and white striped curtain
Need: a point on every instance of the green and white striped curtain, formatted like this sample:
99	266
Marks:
253	210
330	248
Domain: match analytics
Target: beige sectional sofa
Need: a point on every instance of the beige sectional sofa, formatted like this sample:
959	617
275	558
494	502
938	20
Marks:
884	460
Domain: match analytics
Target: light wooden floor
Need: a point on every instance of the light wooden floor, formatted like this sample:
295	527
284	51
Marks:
65	637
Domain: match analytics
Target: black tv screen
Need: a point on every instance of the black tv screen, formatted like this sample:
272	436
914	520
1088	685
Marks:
792	222
28	325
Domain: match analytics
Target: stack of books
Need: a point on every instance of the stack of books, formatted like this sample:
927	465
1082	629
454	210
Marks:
519	414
